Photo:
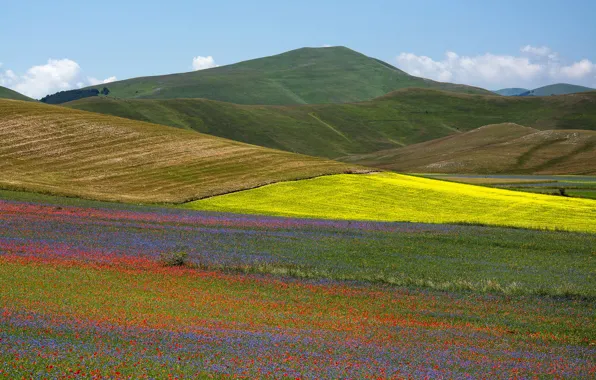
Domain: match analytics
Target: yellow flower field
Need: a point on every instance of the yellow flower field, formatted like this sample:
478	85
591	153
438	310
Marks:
396	197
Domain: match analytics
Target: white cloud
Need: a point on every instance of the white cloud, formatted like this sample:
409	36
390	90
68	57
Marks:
535	67
7	77
94	81
202	63
56	75
579	69
535	50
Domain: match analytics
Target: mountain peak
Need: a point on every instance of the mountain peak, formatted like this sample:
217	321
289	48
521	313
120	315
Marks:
309	75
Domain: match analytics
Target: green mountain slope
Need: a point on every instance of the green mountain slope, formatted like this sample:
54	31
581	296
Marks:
303	76
333	130
68	152
511	91
557	89
6	93
500	148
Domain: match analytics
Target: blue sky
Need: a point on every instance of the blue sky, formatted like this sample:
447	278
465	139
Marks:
92	41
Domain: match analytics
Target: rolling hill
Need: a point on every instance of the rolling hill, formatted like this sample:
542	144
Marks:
395	197
500	148
553	89
511	91
398	119
61	151
557	89
6	93
302	76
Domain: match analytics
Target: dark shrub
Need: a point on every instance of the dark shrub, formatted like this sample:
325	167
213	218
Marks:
174	259
69	96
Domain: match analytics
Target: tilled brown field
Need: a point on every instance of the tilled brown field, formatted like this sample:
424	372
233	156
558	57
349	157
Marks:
68	152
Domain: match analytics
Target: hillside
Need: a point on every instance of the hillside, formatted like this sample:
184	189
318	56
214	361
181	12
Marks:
395	197
500	148
68	152
557	89
511	91
334	130
303	76
6	93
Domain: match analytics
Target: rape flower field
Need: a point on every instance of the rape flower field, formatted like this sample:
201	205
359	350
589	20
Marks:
397	197
83	295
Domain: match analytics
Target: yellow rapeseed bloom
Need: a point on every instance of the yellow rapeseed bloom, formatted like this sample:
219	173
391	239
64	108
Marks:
396	197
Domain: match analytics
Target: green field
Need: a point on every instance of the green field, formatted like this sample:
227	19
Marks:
6	93
492	149
575	193
57	150
302	76
394	197
337	130
558	185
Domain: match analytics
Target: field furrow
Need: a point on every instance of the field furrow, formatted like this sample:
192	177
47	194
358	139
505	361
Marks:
54	149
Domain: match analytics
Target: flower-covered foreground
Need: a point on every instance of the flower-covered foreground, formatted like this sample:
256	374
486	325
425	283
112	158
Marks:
83	294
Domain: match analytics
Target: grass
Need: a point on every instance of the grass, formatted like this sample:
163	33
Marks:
435	256
491	181
394	197
303	76
575	193
6	93
574	186
498	148
57	150
338	130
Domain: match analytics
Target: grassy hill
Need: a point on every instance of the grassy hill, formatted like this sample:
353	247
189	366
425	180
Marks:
334	130
303	76
6	93
499	148
511	91
395	197
557	89
68	152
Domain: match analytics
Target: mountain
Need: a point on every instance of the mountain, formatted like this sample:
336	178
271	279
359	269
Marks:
553	89
557	89
62	151
401	118
303	76
500	148
6	93
511	91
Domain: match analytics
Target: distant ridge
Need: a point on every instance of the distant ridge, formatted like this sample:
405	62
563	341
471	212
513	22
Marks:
500	148
302	76
6	93
553	89
516	91
397	119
